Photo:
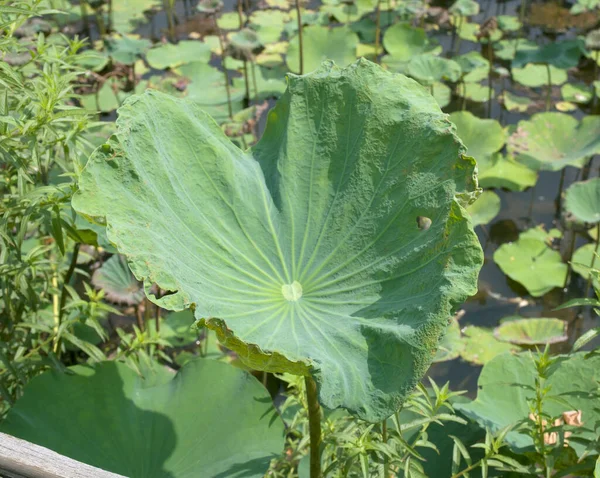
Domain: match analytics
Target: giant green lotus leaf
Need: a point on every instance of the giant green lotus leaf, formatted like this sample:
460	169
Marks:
582	200
308	253
532	263
210	420
507	382
322	43
551	141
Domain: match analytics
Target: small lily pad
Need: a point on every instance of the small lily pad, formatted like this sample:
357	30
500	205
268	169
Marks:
118	282
583	200
532	331
474	67
508	23
402	42
427	69
507	49
168	55
550	141
564	54
499	171
126	49
474	92
441	93
465	8
535	76
482	137
533	263
517	103
485	208
321	43
481	346
577	93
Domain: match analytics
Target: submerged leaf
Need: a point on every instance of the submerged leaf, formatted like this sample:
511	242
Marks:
304	253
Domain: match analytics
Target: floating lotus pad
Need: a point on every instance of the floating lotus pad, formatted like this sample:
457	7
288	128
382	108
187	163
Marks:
507	49
474	67
550	141
517	103
485	209
506	387
169	425
532	263
583	200
482	137
428	69
481	346
535	76
321	43
168	55
499	171
564	54
465	8
402	42
323	275
531	331
127	50
577	93
475	92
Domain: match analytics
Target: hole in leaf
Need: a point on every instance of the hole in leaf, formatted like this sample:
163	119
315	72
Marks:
423	223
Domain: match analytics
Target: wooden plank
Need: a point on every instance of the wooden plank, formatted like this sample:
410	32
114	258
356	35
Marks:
21	459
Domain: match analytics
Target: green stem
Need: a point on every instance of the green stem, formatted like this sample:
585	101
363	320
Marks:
254	82
84	16
300	43
549	91
67	279
377	30
384	438
225	74
490	84
314	426
589	282
522	11
171	23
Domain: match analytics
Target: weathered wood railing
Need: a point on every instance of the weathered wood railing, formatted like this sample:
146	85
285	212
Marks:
21	459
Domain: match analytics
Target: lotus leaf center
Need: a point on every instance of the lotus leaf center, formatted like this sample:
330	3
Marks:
292	292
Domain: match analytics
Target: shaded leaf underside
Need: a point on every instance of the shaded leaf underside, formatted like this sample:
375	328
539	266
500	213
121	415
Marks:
304	253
